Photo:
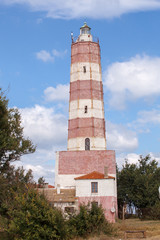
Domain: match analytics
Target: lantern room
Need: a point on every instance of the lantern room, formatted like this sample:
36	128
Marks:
85	33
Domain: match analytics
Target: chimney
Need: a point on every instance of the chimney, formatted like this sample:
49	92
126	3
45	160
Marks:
45	185
58	189
105	172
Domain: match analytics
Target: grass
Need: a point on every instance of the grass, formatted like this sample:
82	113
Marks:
152	229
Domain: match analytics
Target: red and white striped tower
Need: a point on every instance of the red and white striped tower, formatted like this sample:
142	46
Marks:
86	127
87	160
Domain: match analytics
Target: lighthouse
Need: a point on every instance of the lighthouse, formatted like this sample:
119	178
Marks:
86	128
87	168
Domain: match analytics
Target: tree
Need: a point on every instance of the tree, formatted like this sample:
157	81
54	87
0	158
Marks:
14	181
41	182
33	218
12	146
138	184
12	142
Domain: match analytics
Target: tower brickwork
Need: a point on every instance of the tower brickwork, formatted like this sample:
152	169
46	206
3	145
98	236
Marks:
87	160
86	107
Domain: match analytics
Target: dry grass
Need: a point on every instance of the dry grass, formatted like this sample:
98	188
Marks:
152	230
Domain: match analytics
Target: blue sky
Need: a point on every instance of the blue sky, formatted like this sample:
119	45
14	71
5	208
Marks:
35	54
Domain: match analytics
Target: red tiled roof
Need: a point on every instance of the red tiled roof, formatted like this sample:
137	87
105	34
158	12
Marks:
50	186
94	175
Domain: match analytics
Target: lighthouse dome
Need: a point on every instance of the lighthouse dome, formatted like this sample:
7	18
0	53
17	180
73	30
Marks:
85	33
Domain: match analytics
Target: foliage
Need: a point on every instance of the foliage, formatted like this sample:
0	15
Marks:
138	184
29	215
12	142
41	182
151	213
89	220
13	181
33	218
25	213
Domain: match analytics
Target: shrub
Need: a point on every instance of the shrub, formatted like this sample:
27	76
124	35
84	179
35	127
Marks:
151	213
33	218
89	220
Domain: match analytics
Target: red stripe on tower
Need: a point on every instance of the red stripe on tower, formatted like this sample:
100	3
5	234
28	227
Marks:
86	111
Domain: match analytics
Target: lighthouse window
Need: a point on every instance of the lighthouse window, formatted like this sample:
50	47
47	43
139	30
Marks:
94	187
84	69
85	109
83	31
87	144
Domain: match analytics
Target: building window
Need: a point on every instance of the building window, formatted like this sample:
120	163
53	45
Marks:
84	69
87	144
69	209
85	109
94	187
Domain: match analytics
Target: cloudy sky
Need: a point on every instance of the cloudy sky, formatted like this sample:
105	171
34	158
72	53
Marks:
35	54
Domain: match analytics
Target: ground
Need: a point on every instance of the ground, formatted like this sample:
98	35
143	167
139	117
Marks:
152	230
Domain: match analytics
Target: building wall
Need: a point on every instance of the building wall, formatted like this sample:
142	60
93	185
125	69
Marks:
72	164
63	205
108	203
95	109
85	52
78	144
86	89
93	71
106	187
84	162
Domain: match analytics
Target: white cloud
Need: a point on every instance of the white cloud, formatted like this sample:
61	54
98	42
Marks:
152	116
90	8
47	130
44	56
60	93
145	120
134	157
45	127
60	54
131	80
46	171
120	138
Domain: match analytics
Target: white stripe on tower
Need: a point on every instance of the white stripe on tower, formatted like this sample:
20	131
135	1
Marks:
86	108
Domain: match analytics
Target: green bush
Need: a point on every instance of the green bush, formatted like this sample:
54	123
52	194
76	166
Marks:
33	218
152	213
89	220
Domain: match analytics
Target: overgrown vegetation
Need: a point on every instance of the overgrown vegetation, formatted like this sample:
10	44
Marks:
33	218
25	214
89	220
138	187
12	142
